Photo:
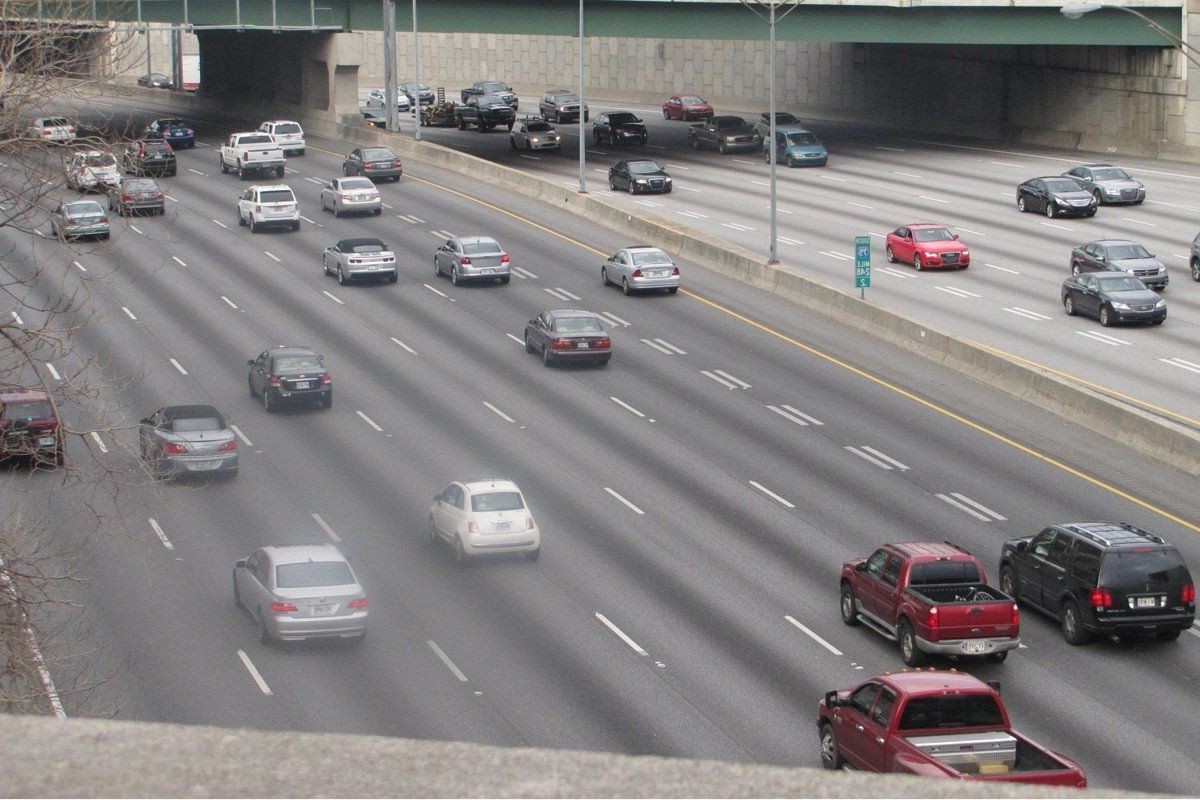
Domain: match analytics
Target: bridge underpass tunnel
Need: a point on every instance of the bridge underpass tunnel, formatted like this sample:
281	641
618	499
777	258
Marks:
292	72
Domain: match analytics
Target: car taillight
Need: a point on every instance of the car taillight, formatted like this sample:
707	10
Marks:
932	621
464	260
127	197
1188	595
282	608
1102	598
562	344
104	219
675	271
1016	615
602	343
46	131
637	273
344	196
228	447
326	379
174	449
359	603
529	523
276	381
158	196
504	258
472	526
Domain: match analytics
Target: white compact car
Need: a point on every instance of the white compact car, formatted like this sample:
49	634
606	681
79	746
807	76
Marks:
52	129
268	207
288	135
93	170
477	517
376	99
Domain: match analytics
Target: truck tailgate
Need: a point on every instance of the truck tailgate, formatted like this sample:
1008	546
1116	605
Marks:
975	620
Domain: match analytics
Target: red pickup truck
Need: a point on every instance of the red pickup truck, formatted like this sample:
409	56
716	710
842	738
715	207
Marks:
936	724
931	597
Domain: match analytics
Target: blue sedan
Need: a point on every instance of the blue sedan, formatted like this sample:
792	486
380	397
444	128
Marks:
173	131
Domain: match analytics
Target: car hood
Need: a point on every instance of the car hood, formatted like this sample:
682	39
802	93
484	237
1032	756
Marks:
1133	296
629	127
1068	197
1118	184
659	174
103	172
1128	264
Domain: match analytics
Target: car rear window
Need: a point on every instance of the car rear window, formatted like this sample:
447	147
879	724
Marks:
577	325
288	127
479	248
100	160
497	501
173	122
56	122
264	139
962	711
157	146
85	208
313	573
357	183
378	154
140	185
197	424
1141	565
937	572
295	363
277	196
641	257
368	248
28	411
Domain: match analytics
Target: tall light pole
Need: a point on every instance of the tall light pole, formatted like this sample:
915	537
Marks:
1077	10
416	74
389	63
582	144
772	17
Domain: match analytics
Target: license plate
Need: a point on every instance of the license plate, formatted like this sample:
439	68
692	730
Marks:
658	273
488	270
1147	602
302	384
372	266
973	648
322	610
46	441
502	526
581	345
202	466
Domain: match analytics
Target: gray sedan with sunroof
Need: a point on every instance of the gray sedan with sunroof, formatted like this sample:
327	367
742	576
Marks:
472	258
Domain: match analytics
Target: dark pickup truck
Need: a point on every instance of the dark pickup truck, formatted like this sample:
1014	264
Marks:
932	597
935	724
724	134
498	88
485	113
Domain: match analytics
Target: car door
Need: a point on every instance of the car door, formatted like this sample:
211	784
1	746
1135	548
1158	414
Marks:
258	372
1089	296
851	723
903	246
148	432
888	591
452	511
869	587
250	587
353	163
1041	195
1054	574
873	744
439	513
329	194
539	331
1034	565
619	266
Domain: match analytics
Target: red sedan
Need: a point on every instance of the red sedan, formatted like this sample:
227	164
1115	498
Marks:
925	246
685	107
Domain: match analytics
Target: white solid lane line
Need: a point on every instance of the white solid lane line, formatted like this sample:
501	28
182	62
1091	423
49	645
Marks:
229	302
178	366
516	339
272	256
1127	219
626	406
222	224
435	290
254	673
325	527
446	660
634	646
860	205
178	261
369	421
933	199
306	219
498	412
162	537
238	432
39	661
196	171
99	442
883	462
402	345
79	266
839	256
906	174
1024	312
1179	362
135	228
771	494
1003	269
53	372
334	298
891	149
628	504
971	232
129	313
1104	338
812	635
1059	227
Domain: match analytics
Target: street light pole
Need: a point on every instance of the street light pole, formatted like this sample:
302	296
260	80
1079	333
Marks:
389	63
416	73
774	258
582	146
1077	10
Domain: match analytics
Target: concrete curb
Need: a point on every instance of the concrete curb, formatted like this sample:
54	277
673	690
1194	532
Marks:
1151	435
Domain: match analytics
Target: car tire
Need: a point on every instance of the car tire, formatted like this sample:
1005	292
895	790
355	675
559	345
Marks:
917	265
279	171
1075	270
603	362
529	348
532	555
327	401
1072	626
253	225
341	276
1069	306
767	157
889	255
393	278
224	166
665	114
1050	209
268	406
625	287
325	266
673	290
849	606
831	758
791	162
612	185
460	554
296	226
1196	269
1106	316
250	386
454	279
504	279
437	267
1098	197
264	634
1021	204
1008	583
604	281
1168	636
909	651
999	658
722	149
433	536
695	143
547	358
512	142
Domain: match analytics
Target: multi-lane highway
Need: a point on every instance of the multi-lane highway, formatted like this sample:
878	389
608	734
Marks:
1010	297
695	498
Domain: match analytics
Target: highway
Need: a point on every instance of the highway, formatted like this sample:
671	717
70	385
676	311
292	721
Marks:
696	497
875	181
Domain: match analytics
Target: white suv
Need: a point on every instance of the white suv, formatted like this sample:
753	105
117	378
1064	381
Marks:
268	206
288	135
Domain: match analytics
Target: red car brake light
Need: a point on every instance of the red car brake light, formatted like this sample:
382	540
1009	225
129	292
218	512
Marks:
504	258
326	379
637	273
464	260
675	271
1102	598
282	608
562	344
228	447
603	343
1188	595
276	381
1016	615
472	526
174	449
359	603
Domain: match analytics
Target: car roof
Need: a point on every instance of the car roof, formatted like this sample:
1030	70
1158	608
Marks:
924	225
476	240
271	186
930	551
19	394
790	129
1114	241
570	312
642	247
281	122
291	350
301	553
363	240
918	682
479	485
190	412
1112	534
1097	165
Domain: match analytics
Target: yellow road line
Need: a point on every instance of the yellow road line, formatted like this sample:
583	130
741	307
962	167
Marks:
850	367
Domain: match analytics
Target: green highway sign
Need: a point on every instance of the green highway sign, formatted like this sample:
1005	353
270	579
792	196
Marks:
862	262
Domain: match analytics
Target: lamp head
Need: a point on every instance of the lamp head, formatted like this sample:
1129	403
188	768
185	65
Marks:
1077	10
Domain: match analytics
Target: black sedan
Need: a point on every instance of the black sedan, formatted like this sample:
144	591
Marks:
568	336
373	162
290	374
1056	195
1109	184
639	176
1120	255
155	80
619	127
1112	297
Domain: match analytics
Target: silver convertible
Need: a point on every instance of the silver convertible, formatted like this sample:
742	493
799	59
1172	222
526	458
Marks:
355	259
185	440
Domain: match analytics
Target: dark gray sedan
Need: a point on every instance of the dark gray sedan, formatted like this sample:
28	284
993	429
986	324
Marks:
1112	297
373	162
1120	255
1054	196
185	440
568	336
1109	184
135	195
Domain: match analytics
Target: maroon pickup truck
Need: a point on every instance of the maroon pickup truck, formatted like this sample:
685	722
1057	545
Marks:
931	597
936	724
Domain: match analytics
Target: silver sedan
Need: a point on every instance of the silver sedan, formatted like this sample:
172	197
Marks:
472	258
186	440
349	195
637	269
300	592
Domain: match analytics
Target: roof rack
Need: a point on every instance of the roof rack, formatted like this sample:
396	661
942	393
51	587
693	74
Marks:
1116	534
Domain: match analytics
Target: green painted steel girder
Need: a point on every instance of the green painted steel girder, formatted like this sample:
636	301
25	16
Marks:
670	19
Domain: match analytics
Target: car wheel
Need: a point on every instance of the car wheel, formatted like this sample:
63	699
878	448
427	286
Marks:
849	606
665	114
547	358
604	281
722	149
1008	583
504	279
325	266
1072	625
791	162
264	635
296	226
437	267
460	554
1021	204
891	257
454	279
673	290
1106	318
253	225
1050	209
917	262
1075	269
341	276
532	555
268	406
909	651
1069	306
250	386
612	185
393	278
830	757
766	156
327	401
999	658
625	286
1196	269
224	166
695	143
1167	636
279	171
512	142
529	348
1098	197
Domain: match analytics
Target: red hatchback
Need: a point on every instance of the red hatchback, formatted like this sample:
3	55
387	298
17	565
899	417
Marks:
29	427
685	107
926	246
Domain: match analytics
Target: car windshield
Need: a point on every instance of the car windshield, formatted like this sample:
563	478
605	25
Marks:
493	100
623	118
1141	565
478	248
937	572
691	100
566	98
1120	283
85	208
800	138
945	711
1064	185
1110	174
140	185
931	234
357	183
538	127
197	424
577	325
313	573
497	501
28	411
276	196
643	167
731	123
494	86
288	127
99	160
641	257
1120	252
785	118
378	154
414	87
296	363
368	248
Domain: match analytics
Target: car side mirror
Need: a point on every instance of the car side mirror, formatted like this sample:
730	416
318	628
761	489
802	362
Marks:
860	566
146	421
995	686
832	700
954	236
240	563
1101	258
321	359
1021	547
250	362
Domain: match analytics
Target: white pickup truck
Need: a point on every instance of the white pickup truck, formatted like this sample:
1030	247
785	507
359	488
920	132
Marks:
250	153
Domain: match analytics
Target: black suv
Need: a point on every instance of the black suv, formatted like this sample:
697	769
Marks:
1101	578
290	374
619	127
